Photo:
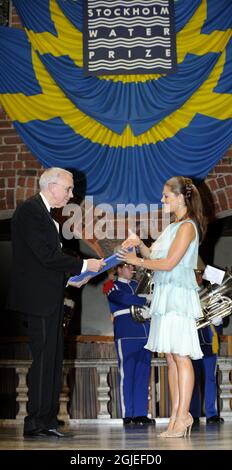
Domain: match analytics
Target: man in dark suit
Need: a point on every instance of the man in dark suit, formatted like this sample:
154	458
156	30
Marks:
37	290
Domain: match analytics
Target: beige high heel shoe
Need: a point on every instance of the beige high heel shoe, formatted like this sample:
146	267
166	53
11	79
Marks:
187	427
171	424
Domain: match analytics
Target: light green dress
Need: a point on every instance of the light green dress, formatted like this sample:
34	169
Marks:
175	305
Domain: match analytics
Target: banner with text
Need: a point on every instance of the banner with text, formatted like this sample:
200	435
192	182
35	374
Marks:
129	37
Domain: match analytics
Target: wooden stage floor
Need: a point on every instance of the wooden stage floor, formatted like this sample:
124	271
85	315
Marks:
114	436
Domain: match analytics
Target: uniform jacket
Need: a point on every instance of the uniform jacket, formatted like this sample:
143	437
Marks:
121	297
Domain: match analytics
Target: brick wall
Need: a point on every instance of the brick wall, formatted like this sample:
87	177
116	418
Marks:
220	183
19	170
14	18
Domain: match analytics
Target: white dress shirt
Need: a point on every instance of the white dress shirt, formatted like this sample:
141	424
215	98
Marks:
84	267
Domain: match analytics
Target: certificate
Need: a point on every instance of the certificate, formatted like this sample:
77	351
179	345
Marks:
112	261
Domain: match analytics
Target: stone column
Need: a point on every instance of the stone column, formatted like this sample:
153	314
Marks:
21	392
103	391
64	396
225	385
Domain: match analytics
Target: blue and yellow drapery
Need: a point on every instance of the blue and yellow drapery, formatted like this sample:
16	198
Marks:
128	134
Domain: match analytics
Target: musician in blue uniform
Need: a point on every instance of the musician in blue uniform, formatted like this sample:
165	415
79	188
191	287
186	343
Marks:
208	337
130	338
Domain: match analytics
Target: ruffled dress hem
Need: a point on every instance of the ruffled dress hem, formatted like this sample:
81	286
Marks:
174	334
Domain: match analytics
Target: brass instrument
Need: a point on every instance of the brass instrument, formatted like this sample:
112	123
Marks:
145	286
216	301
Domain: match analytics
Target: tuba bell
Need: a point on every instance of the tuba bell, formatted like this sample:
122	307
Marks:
145	286
216	301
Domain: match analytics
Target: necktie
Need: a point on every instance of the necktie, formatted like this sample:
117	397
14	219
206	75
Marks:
52	212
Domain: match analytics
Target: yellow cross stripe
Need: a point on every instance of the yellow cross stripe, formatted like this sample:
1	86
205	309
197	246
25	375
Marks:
53	103
191	32
68	42
204	43
191	40
25	109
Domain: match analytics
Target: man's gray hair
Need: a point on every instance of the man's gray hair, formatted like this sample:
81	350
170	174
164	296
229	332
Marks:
51	175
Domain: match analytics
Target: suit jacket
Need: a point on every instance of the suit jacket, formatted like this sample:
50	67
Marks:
39	265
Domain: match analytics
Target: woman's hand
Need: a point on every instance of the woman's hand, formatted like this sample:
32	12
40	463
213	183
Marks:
132	241
128	257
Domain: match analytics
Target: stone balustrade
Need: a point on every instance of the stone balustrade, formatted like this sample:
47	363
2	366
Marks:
225	386
102	367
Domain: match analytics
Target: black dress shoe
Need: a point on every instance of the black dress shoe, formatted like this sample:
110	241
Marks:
127	421
54	433
214	420
143	420
196	421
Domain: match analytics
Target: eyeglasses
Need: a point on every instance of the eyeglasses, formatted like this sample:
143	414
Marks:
66	188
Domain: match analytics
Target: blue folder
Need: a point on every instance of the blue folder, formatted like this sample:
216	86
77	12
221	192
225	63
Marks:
112	261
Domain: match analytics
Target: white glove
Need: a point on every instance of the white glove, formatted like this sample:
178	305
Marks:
217	321
145	312
148	297
69	302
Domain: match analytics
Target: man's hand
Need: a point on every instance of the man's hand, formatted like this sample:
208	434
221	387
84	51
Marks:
95	264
